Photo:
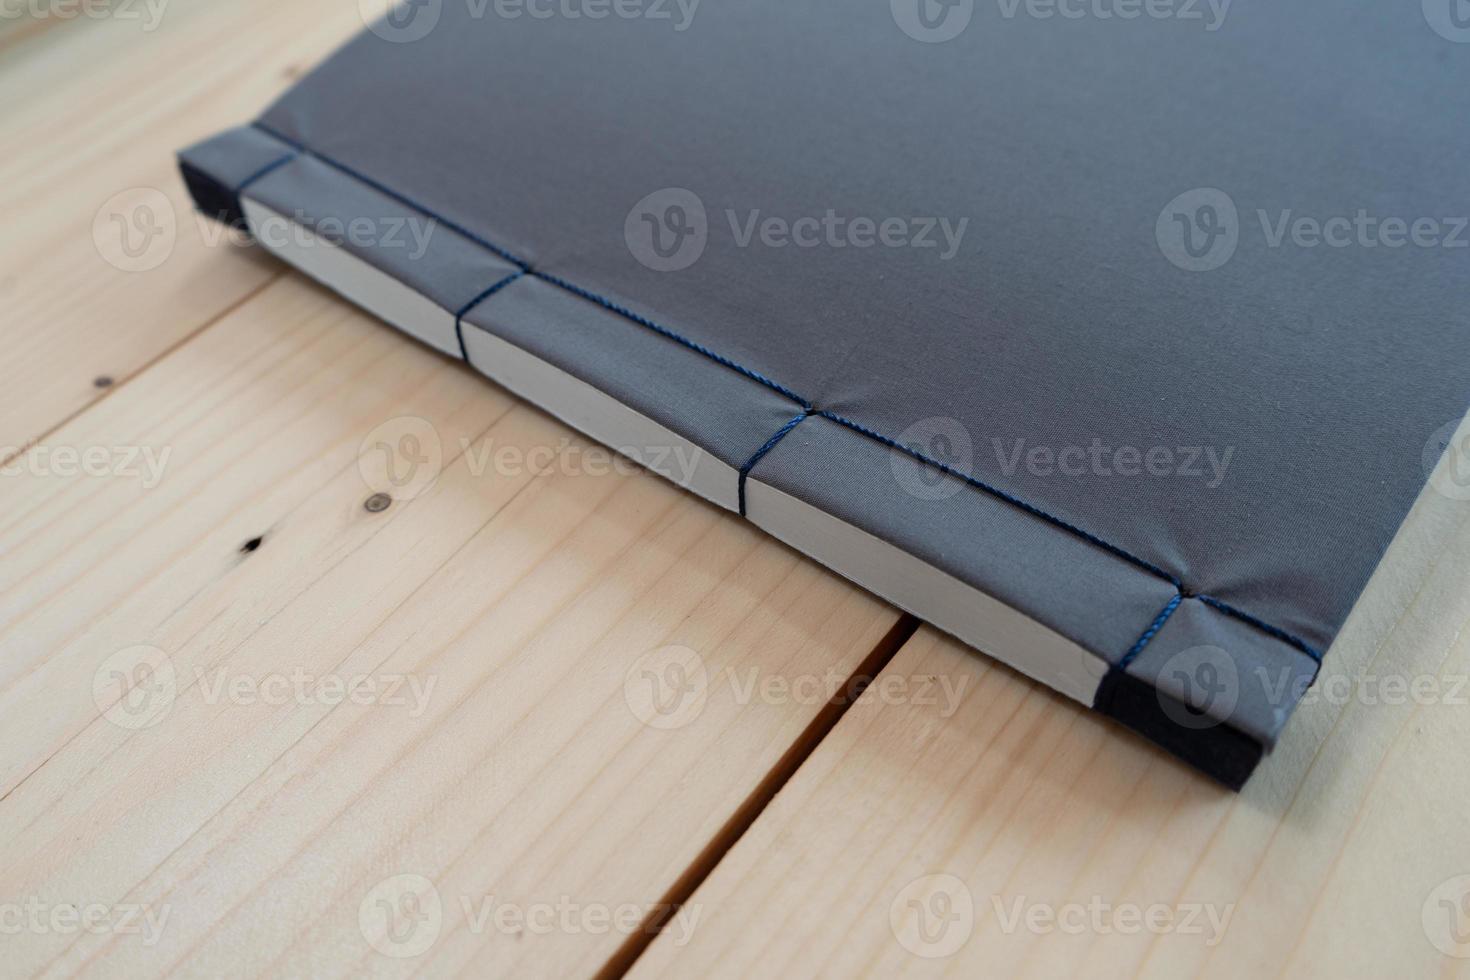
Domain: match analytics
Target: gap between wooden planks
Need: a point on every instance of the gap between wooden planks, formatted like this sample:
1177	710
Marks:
911	839
1328	858
530	603
82	144
91	563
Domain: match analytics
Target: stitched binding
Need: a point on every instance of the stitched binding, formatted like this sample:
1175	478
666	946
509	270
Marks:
781	433
381	188
663	331
807	407
484	295
1151	632
1263	626
274	164
1007	497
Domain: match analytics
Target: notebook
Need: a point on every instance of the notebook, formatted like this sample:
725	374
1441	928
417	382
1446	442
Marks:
1115	339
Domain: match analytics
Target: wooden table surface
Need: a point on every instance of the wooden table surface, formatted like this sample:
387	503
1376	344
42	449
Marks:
545	715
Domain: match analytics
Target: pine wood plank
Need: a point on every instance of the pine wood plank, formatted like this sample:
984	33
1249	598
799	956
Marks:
87	147
525	599
1344	856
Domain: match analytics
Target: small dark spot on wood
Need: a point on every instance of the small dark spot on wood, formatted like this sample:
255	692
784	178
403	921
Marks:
102	381
250	545
377	503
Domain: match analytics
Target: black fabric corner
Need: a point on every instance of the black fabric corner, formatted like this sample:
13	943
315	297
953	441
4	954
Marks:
1221	752
212	198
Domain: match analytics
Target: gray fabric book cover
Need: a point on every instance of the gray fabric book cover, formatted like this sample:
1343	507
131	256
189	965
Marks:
1118	346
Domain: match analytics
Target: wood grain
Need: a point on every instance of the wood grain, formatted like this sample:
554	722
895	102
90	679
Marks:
525	592
107	103
1327	865
575	687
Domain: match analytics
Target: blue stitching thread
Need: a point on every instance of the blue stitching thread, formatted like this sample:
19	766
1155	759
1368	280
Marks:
807	407
1228	610
384	189
1151	632
1007	497
265	170
525	267
781	433
1263	626
671	335
486	294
